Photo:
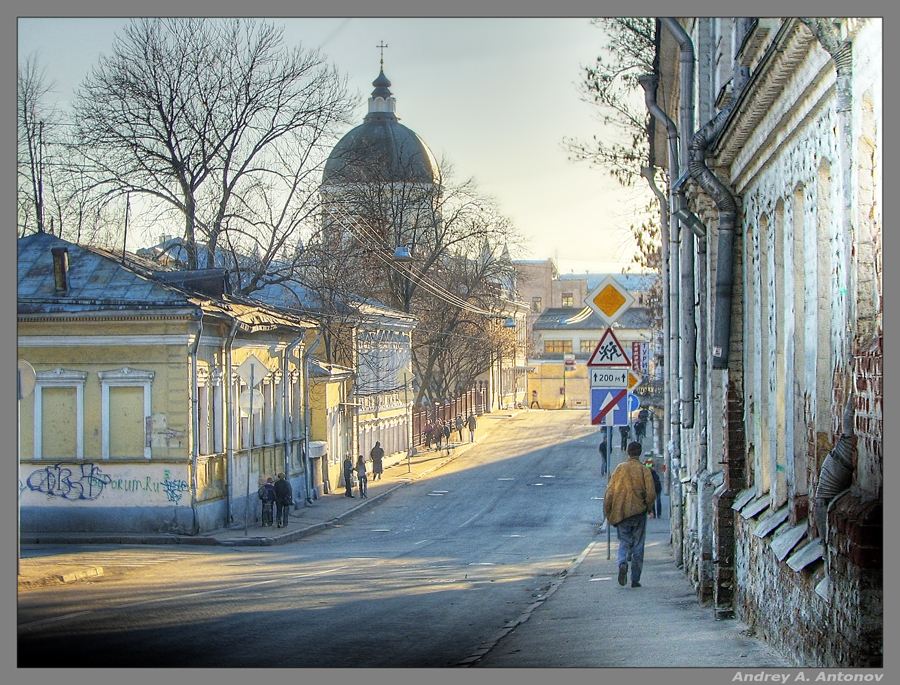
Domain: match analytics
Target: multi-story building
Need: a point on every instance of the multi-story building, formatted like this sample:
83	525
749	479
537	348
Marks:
771	132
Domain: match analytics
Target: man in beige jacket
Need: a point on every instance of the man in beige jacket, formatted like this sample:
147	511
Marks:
629	496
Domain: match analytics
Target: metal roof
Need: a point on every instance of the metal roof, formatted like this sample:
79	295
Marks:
631	282
556	319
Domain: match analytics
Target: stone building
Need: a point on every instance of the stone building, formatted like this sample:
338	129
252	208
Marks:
770	131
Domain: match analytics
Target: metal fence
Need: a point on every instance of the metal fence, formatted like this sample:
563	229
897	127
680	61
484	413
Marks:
472	401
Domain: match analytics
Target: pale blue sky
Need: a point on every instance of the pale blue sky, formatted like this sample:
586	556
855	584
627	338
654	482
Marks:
495	96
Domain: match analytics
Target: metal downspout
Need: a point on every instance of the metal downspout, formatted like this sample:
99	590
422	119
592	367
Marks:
228	415
649	83
307	355
836	474
688	332
286	433
195	427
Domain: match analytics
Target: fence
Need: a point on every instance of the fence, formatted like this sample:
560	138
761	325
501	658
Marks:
472	401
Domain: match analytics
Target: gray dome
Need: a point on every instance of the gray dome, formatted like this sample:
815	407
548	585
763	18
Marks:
381	149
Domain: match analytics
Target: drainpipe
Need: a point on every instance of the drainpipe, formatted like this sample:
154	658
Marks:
228	416
195	427
836	473
286	433
307	355
649	83
688	326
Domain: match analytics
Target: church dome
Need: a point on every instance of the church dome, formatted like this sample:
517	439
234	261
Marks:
381	149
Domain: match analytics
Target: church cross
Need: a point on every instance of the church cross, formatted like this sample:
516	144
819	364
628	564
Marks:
381	46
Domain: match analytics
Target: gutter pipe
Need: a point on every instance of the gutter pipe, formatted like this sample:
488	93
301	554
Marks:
687	357
286	432
307	355
228	414
195	427
836	473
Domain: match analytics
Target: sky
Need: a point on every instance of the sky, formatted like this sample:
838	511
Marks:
494	96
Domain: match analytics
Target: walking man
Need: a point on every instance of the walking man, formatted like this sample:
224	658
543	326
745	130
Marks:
603	449
284	494
623	433
447	432
459	426
657	486
471	423
267	496
629	496
348	476
377	455
361	476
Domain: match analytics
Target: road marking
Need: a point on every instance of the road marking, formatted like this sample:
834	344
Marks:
421	542
381	530
548	476
435	494
481	563
599	498
443	492
537	483
591	580
514	535
506	479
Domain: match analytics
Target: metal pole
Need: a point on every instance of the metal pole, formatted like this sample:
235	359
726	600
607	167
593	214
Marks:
608	451
409	446
249	452
18	472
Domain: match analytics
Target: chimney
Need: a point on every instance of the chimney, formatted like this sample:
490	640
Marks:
60	269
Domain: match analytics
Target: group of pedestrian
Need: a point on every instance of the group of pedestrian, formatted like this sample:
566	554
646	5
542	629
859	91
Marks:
440	432
277	496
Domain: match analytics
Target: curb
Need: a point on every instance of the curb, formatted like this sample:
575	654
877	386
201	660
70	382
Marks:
60	578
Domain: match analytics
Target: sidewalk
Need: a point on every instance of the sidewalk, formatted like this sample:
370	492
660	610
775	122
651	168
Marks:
606	625
327	510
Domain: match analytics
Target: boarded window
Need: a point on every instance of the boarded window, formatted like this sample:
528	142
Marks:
58	422
126	421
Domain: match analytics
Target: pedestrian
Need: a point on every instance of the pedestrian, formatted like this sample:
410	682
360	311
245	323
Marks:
640	428
361	476
623	433
348	476
377	455
438	433
471	424
629	496
459	426
284	499
534	400
657	485
266	495
428	430
603	449
447	436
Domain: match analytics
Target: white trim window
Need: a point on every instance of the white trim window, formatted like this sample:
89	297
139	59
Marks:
122	378
59	378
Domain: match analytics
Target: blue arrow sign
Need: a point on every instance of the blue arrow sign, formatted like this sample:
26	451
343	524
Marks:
609	406
633	403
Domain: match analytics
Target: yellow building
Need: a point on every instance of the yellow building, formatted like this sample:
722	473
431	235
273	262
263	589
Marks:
136	422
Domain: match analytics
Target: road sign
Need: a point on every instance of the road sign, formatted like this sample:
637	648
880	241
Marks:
633	403
633	379
244	401
569	361
609	407
609	352
252	371
609	299
608	378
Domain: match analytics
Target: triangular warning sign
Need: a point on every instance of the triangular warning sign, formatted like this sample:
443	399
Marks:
609	352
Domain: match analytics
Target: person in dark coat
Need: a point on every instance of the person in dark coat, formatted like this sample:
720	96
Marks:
267	497
447	435
361	476
438	433
623	433
284	498
459	426
471	423
377	456
657	485
348	476
428	430
603	449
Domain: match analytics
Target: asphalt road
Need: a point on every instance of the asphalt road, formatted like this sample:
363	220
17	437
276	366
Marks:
423	579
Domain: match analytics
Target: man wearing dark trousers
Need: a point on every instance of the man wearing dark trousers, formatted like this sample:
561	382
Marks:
629	496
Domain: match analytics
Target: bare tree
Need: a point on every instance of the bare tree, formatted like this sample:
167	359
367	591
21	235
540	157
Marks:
219	120
36	121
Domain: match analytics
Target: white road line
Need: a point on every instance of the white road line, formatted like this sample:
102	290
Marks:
548	476
381	530
435	494
506	479
421	542
514	535
591	580
537	483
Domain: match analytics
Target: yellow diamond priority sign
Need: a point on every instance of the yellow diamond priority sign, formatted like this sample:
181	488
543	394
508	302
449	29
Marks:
609	299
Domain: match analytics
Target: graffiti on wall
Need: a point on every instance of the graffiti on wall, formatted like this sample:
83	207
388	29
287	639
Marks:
69	481
85	481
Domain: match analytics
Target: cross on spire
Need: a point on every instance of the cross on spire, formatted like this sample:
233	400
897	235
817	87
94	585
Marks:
381	46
